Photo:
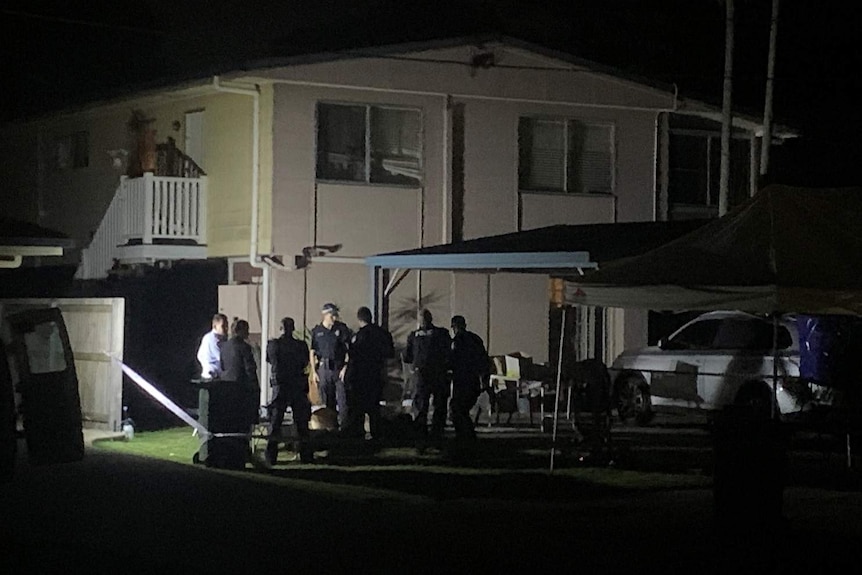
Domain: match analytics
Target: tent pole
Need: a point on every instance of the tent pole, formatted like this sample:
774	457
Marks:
557	393
775	410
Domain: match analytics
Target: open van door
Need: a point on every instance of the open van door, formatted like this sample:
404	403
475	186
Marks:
42	369
8	435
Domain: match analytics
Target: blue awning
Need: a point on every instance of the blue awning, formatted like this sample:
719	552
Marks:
563	250
536	262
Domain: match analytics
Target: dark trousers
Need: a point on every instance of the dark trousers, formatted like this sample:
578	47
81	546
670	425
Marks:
430	383
295	397
332	393
465	392
363	397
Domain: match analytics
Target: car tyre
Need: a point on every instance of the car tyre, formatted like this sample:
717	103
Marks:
755	400
633	402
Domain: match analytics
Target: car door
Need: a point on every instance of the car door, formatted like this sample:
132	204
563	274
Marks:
42	368
677	384
740	353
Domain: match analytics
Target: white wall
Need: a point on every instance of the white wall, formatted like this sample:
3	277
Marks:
368	219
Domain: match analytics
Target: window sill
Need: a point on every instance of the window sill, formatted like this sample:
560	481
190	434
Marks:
567	194
353	184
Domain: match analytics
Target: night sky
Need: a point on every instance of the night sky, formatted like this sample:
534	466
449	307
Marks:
54	56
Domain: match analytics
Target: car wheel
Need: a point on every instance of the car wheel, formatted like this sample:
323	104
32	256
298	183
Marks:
755	400
633	401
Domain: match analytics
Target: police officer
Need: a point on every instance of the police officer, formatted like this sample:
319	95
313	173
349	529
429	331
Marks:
329	344
289	359
428	351
469	363
370	347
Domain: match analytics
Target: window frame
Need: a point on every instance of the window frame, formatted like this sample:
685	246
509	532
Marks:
367	107
713	142
71	151
567	122
679	342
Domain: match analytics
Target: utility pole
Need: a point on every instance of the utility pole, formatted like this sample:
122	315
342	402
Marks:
767	108
726	112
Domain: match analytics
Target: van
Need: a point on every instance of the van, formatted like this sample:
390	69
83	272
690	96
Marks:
39	396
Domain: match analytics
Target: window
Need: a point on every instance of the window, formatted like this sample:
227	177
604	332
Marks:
695	169
698	335
730	334
689	171
45	352
750	335
369	144
565	156
73	151
80	150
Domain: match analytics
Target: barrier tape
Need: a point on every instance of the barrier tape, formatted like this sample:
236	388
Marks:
151	390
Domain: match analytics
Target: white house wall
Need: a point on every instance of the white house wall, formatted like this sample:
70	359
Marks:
367	220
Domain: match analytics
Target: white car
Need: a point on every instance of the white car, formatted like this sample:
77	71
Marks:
717	359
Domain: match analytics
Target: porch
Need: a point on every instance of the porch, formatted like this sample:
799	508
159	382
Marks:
152	218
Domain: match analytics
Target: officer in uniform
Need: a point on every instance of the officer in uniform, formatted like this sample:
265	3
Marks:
289	359
469	362
428	351
370	347
330	340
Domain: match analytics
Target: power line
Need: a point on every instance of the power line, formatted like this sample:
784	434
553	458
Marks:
90	23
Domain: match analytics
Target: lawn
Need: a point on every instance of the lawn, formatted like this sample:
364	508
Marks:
500	468
175	444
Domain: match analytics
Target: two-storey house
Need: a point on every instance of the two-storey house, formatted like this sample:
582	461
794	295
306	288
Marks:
296	170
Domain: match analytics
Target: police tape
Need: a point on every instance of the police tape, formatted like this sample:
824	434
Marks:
153	392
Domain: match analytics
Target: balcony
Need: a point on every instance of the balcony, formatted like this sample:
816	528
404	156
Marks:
151	219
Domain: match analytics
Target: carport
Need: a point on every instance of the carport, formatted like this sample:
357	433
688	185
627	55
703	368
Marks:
556	251
560	251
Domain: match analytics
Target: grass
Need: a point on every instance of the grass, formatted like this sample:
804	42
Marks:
502	470
175	444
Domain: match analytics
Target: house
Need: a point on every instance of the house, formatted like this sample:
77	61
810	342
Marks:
295	170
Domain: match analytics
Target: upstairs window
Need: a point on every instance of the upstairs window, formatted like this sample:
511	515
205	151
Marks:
73	151
80	150
694	162
568	156
369	144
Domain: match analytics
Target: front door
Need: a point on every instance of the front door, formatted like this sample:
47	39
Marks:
194	140
42	368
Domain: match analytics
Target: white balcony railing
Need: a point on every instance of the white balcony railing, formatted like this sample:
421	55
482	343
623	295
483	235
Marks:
165	208
148	211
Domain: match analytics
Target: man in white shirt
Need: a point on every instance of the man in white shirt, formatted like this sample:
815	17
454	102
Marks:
209	355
